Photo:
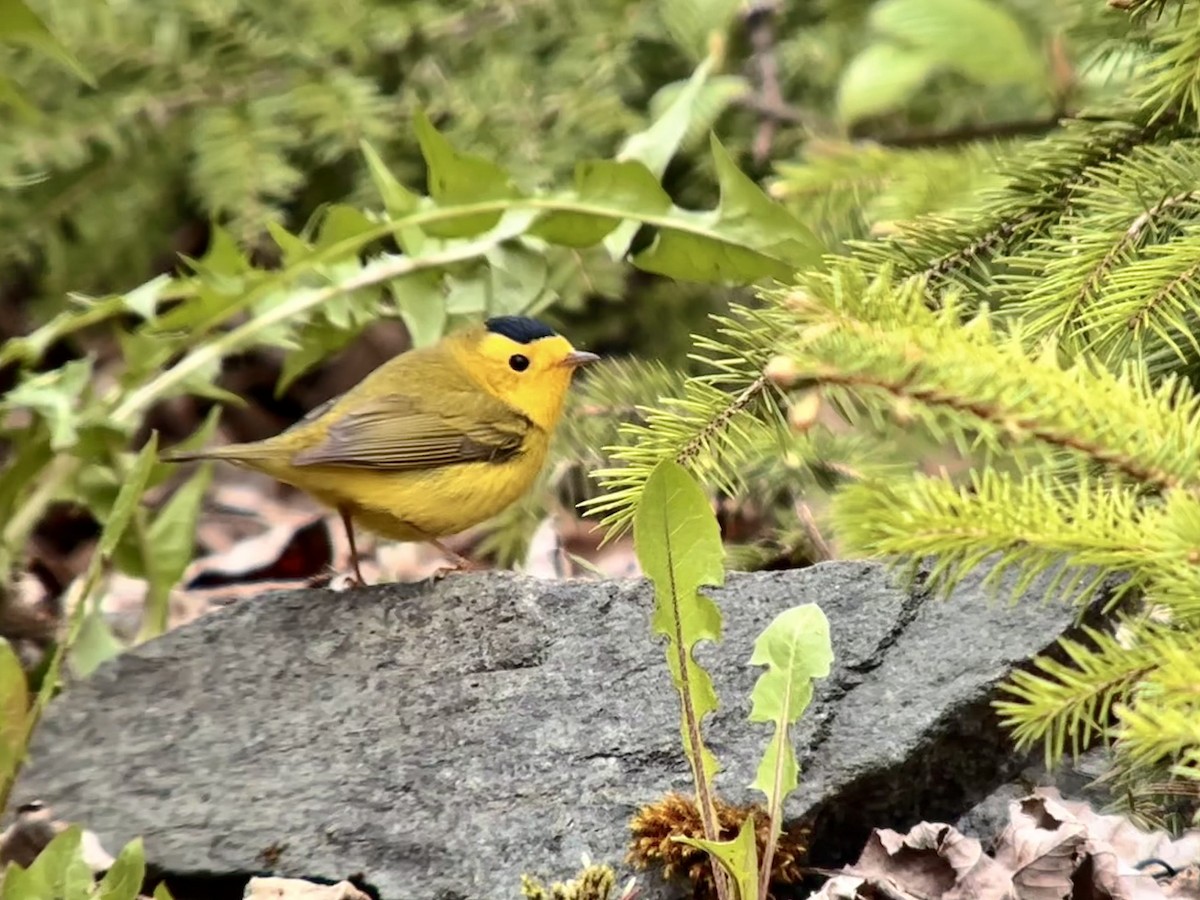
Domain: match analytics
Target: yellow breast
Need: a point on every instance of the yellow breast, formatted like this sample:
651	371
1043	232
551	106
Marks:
429	503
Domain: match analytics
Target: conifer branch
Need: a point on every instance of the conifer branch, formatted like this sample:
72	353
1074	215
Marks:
1082	532
1067	704
881	338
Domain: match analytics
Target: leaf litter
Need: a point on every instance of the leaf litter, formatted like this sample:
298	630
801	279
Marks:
1052	849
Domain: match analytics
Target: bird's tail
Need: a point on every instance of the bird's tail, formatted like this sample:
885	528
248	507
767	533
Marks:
230	452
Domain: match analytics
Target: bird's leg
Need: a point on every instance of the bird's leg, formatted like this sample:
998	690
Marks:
461	563
349	526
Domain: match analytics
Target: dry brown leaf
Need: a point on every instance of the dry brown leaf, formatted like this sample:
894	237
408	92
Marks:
1042	847
932	860
299	889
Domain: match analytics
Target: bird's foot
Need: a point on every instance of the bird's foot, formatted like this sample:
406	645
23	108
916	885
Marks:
335	581
458	563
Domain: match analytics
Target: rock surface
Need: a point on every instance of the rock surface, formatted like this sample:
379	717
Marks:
440	740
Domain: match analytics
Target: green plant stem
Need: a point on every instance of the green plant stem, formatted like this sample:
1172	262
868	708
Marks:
25	518
704	797
77	594
775	811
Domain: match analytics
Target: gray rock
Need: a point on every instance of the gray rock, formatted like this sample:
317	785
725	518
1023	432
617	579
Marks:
441	740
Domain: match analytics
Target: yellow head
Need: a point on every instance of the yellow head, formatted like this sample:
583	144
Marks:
522	362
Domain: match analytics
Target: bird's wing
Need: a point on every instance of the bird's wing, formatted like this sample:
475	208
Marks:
398	432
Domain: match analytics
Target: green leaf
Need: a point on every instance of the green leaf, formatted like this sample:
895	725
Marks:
123	880
143	300
758	237
172	538
518	277
655	147
55	396
678	544
460	179
11	96
14	711
716	96
977	38
691	22
60	872
883	77
339	222
201	437
795	648
422	305
20	25
162	893
17	885
96	644
132	487
738	857
618	188
398	201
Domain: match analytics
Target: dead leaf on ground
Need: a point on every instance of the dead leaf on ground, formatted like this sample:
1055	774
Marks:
1052	849
1042	848
299	889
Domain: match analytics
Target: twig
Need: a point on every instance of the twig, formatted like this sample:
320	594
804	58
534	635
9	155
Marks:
760	24
809	523
980	131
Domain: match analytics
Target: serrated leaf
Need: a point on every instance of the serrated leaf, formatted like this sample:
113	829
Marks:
518	277
752	236
458	179
60	870
977	38
691	22
881	78
143	300
17	885
123	880
339	222
21	25
14	711
623	188
738	857
714	97
292	247
172	536
678	544
95	644
422	306
398	201
655	147
795	648
133	486
55	397
467	293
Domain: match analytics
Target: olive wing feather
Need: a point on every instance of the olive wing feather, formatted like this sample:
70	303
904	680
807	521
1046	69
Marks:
398	432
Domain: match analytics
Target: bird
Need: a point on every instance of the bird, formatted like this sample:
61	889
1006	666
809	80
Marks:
433	441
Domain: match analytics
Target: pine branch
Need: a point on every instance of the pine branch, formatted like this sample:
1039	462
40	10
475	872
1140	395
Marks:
880	341
1083	532
1064	295
1035	197
1068	704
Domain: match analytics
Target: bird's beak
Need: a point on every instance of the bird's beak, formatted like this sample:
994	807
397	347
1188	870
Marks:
577	358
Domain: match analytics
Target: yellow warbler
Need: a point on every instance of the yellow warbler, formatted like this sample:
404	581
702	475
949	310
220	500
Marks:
433	441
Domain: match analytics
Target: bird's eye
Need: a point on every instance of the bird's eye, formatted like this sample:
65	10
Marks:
518	362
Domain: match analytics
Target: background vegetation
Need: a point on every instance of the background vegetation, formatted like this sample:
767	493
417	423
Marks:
977	341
